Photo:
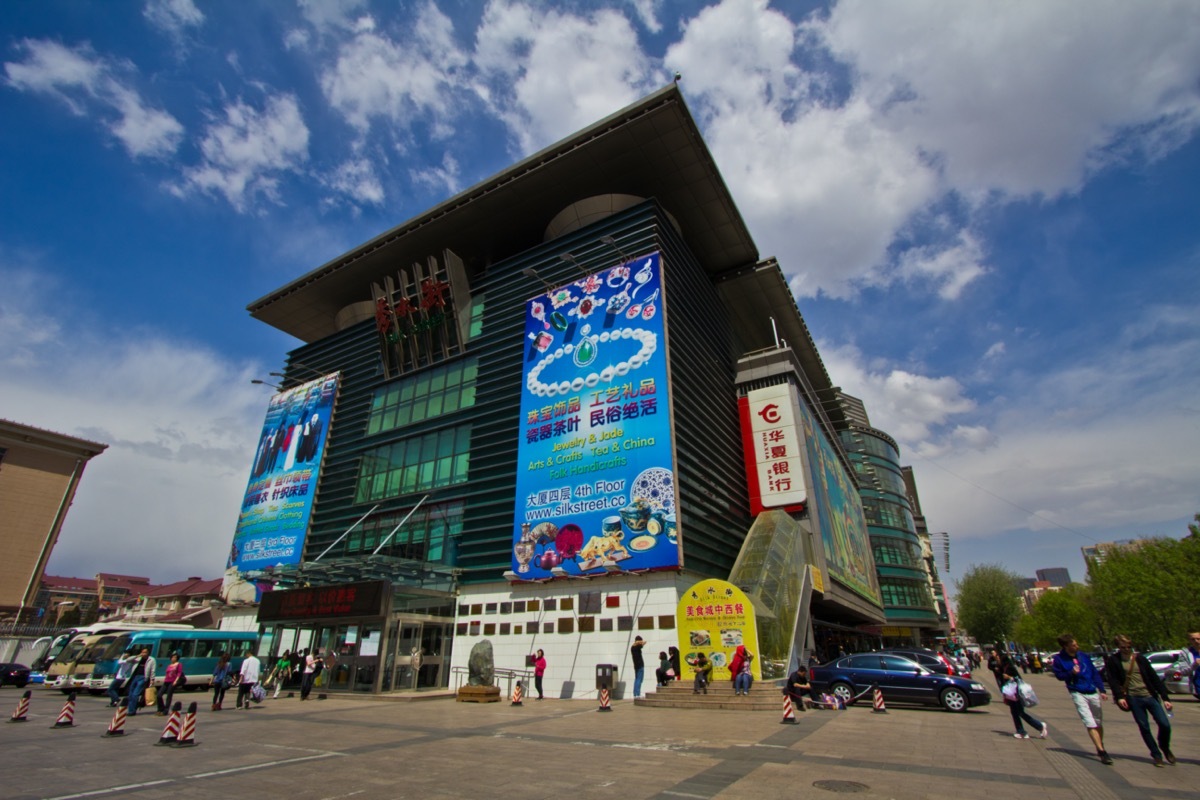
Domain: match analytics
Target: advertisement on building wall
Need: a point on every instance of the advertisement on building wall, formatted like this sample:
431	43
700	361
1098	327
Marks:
771	445
595	474
715	617
283	478
836	507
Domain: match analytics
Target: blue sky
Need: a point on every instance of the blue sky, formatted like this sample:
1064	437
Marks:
988	213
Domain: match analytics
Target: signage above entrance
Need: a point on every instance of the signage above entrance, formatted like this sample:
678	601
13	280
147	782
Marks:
367	599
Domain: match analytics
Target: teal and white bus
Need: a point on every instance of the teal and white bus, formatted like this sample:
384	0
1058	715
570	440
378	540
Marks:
198	651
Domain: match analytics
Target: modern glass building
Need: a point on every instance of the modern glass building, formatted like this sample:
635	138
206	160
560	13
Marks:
535	437
900	561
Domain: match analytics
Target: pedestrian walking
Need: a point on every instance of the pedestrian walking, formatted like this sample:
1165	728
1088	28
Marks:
1086	689
703	669
313	665
174	678
220	681
125	666
247	678
639	665
1137	688
1191	654
281	672
143	673
1016	707
539	671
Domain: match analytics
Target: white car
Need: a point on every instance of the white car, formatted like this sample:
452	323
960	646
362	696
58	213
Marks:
1172	667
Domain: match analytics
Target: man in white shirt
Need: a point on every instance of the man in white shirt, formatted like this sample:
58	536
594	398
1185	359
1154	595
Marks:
140	677
251	668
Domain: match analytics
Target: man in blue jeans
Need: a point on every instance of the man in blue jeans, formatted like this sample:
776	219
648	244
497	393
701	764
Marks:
1136	687
143	673
639	665
124	668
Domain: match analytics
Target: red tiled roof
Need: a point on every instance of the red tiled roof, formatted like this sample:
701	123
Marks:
53	582
191	586
111	579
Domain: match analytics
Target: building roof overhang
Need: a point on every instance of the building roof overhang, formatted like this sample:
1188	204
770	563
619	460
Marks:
652	148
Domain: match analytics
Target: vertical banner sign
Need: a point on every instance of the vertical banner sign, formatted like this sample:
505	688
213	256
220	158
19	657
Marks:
713	618
772	446
595	473
837	508
283	478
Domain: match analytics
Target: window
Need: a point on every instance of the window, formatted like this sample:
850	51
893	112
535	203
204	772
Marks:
430	393
905	593
863	662
434	460
423	537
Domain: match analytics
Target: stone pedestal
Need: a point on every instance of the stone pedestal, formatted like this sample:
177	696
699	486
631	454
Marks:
479	694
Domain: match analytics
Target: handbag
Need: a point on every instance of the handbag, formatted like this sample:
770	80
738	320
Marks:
258	693
151	695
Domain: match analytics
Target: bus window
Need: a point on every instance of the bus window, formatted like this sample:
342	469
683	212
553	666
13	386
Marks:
209	648
181	646
119	645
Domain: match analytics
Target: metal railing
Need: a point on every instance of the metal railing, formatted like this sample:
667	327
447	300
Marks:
508	675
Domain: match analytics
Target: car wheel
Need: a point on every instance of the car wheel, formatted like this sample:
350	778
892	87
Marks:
954	699
842	691
21	684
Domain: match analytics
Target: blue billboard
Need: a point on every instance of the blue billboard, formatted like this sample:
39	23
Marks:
595	473
283	478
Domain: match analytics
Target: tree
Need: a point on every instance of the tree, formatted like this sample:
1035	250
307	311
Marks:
1148	593
988	602
1068	610
1194	528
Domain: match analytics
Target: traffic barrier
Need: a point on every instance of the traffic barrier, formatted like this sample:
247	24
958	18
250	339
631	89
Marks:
516	695
22	708
605	705
117	726
789	714
170	733
877	700
66	718
187	736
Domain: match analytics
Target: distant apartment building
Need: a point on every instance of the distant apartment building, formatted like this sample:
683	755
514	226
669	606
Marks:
192	601
1056	576
1030	596
39	473
1096	554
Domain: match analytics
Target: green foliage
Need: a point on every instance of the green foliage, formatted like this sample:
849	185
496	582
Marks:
1149	593
1070	609
988	602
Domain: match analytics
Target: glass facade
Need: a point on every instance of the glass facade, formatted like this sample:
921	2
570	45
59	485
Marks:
903	582
440	390
416	464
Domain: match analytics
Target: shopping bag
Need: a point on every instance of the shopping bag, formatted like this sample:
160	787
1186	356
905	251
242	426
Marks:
1011	692
258	693
1029	697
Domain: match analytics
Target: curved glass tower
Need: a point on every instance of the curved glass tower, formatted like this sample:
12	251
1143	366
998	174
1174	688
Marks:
903	581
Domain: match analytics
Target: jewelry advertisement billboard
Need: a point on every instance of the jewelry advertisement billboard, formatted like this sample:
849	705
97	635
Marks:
595	476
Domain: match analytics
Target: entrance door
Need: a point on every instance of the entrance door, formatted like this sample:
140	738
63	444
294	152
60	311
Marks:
407	636
366	663
433	638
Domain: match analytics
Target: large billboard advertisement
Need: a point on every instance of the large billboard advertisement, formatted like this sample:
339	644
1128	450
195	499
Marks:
837	508
771	445
283	478
595	475
715	617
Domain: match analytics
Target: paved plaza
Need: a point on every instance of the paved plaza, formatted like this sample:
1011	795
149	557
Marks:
559	749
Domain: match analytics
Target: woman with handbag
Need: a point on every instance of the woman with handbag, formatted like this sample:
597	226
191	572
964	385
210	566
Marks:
220	681
1011	690
172	679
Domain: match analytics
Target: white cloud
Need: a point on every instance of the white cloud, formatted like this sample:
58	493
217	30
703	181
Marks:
949	267
647	12
444	177
995	351
1025	98
331	15
546	73
173	16
90	84
358	180
397	81
245	152
181	424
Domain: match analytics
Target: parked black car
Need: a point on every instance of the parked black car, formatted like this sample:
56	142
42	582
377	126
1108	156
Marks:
929	659
14	675
900	679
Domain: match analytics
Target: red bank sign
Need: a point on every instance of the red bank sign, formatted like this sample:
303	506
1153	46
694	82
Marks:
773	448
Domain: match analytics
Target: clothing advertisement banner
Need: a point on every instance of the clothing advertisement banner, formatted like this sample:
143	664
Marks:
283	478
714	617
596	476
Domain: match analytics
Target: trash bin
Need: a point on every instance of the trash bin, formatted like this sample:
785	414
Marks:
606	676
